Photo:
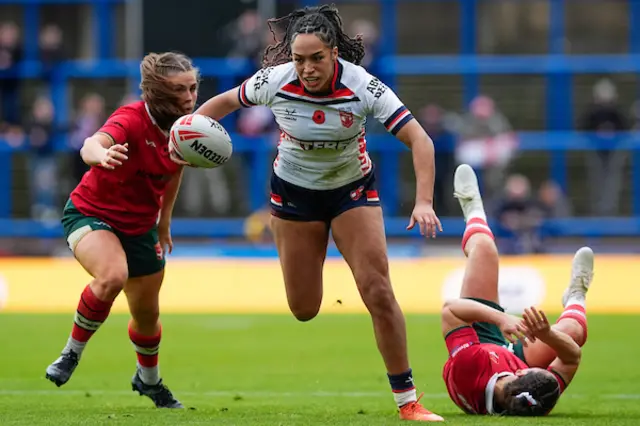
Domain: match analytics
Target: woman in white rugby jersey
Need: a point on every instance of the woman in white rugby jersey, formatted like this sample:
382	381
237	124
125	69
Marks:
324	179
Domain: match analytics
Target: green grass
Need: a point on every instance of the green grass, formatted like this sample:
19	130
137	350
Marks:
272	370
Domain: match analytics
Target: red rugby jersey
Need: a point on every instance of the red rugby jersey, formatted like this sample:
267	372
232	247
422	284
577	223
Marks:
473	368
129	197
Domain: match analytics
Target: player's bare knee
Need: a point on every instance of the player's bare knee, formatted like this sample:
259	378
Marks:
304	312
110	284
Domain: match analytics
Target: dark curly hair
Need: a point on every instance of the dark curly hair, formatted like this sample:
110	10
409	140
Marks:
534	394
323	21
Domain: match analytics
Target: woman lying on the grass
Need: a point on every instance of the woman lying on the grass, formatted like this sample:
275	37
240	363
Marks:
485	374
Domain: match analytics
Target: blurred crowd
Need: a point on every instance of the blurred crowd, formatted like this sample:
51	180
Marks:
480	135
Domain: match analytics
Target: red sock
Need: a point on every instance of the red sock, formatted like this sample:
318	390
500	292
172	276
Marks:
578	313
147	347
475	225
90	315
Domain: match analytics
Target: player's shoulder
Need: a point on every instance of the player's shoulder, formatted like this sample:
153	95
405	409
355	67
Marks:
361	81
133	111
134	119
274	76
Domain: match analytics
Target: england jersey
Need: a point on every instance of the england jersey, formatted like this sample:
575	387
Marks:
322	137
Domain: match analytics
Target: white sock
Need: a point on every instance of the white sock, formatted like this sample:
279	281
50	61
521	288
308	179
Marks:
403	398
149	375
577	299
477	211
75	346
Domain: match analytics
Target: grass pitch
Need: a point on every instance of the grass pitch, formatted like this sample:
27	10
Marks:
271	370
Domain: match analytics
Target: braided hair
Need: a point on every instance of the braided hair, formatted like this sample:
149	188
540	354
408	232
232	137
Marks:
323	21
534	394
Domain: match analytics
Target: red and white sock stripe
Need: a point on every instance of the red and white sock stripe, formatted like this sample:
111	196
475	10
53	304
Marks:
577	313
475	225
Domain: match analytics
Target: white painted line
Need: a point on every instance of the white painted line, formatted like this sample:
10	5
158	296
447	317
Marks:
268	394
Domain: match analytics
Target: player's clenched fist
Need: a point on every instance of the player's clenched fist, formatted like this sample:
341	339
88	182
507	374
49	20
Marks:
114	156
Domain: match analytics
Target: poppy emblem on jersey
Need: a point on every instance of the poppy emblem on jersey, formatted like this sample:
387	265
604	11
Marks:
357	193
346	118
318	117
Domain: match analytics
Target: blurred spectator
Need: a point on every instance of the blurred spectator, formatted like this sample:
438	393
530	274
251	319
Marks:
129	98
370	38
257	226
519	218
635	116
604	118
42	162
486	143
552	201
13	136
51	50
247	37
87	122
204	189
10	55
432	119
256	121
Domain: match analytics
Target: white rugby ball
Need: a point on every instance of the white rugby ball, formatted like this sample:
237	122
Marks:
199	141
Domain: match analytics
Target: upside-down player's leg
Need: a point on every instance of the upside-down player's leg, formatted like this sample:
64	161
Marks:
481	273
573	320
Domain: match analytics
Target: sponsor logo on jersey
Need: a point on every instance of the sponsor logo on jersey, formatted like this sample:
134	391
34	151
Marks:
311	145
308	146
456	350
262	78
376	88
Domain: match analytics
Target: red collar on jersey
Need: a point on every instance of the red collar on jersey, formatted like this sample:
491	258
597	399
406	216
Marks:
336	85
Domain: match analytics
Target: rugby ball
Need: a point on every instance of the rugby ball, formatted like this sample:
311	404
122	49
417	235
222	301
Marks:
199	141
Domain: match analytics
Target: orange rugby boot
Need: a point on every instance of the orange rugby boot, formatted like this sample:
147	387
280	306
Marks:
415	411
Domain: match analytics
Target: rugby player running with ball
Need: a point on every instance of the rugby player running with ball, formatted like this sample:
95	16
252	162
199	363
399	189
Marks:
117	220
323	178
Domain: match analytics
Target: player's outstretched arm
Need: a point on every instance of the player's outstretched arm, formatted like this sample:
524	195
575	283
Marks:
413	136
457	313
221	105
100	149
568	352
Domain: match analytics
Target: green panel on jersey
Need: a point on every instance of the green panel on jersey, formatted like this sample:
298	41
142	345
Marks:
490	333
